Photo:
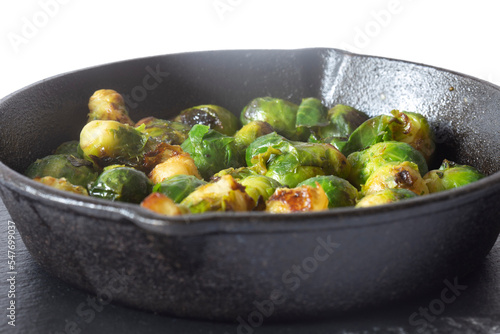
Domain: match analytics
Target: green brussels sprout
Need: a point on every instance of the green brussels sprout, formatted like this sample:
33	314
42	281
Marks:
216	117
451	175
396	175
211	150
405	126
62	184
71	147
337	142
290	162
339	191
259	187
77	171
236	173
163	131
364	163
107	104
123	184
386	196
279	113
311	113
249	132
177	187
343	120
110	142
225	194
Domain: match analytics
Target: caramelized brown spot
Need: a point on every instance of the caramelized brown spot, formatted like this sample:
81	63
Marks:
297	200
404	178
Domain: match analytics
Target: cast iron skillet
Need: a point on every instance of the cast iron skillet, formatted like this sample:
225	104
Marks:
256	265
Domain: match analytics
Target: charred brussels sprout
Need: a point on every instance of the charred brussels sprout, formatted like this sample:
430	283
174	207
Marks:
364	163
216	117
224	194
62	184
111	142
340	192
451	175
162	204
123	184
290	162
386	196
408	127
77	171
403	175
178	187
299	199
280	114
164	131
170	160
249	132
211	150
107	104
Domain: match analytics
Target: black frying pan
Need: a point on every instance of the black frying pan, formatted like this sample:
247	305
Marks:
256	265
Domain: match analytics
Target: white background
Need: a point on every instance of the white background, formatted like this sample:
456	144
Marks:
42	38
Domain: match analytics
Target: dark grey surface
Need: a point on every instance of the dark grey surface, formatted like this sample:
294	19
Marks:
47	305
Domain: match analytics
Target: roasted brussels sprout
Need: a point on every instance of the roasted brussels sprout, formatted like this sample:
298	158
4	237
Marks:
163	131
177	187
340	192
216	117
364	163
311	113
162	204
170	160
225	194
280	114
451	175
62	184
71	147
211	150
249	132
124	184
107	104
404	126
396	175
290	162
300	199
236	173
343	120
77	171
259	187
110	142
386	196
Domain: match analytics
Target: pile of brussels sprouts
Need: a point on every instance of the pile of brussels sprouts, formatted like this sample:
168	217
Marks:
278	157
